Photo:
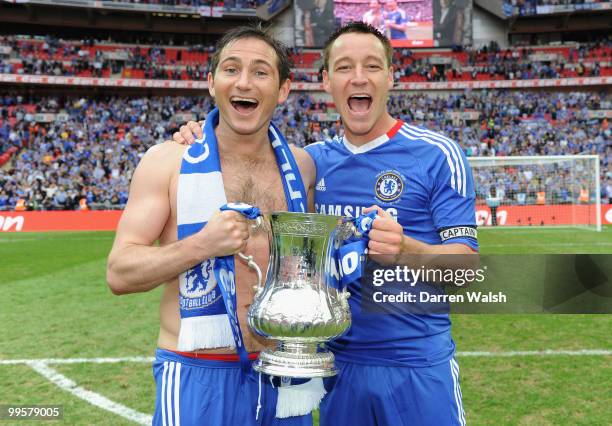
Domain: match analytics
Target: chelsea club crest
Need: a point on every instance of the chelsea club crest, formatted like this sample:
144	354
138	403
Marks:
198	281
389	186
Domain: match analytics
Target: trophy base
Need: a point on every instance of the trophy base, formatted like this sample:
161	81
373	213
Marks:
299	360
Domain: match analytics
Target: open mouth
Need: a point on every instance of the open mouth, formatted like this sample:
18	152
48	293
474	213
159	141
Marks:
244	105
360	103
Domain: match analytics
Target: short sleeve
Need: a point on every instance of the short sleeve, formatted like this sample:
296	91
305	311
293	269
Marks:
453	198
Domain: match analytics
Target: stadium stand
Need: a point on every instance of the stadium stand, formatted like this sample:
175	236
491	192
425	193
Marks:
87	58
76	151
248	4
544	7
88	148
196	3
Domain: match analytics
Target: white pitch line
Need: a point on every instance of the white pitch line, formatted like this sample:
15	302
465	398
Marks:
78	360
548	352
93	398
28	239
597	243
41	366
143	359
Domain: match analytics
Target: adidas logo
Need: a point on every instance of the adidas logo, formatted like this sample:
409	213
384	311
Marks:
321	185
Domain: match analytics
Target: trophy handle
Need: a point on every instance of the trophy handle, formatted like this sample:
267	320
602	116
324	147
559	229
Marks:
251	264
249	259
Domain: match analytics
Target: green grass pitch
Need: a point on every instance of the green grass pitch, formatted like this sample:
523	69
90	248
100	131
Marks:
59	280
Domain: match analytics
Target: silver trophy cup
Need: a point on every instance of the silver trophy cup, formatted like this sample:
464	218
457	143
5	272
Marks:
297	306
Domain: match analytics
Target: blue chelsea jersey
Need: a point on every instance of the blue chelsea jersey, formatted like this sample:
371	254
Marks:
423	179
398	16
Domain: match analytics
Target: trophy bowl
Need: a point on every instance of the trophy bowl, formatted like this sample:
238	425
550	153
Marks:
301	305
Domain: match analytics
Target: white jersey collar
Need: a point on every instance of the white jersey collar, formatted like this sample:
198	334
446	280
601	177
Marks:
368	146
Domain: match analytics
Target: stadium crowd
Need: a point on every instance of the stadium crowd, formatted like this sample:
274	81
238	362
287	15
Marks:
106	59
87	152
243	4
88	148
168	2
492	62
535	7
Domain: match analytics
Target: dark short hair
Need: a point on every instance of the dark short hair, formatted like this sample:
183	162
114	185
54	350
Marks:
284	62
357	27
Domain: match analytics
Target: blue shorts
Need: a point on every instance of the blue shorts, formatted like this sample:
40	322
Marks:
364	395
201	392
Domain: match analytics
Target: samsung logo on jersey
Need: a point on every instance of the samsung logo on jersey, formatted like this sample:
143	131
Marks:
457	232
350	211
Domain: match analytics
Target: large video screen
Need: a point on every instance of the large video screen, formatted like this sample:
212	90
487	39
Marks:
411	23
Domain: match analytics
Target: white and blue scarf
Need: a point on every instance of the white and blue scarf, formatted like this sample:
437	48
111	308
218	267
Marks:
208	310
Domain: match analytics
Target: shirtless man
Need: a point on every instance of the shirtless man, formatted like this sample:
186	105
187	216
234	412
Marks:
373	16
250	76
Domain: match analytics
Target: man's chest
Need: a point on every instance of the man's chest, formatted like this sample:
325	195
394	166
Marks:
261	187
360	183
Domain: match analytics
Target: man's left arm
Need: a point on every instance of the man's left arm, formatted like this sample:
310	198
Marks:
389	245
452	205
387	238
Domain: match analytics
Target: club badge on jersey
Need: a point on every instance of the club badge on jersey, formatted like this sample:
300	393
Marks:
389	186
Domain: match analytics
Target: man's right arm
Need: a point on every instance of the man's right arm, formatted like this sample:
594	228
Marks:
135	264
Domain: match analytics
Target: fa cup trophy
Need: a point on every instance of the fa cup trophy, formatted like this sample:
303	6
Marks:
301	306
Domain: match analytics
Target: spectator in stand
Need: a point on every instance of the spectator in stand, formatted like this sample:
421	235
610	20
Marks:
607	193
60	199
493	202
4	200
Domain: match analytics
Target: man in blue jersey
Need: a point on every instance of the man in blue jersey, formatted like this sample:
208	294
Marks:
394	369
395	21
